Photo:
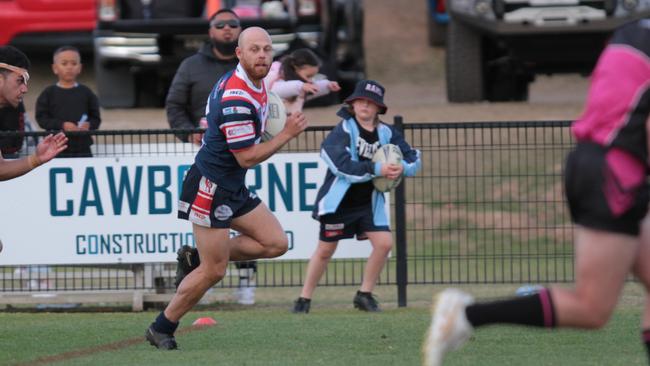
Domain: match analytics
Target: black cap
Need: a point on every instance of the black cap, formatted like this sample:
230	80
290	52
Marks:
370	90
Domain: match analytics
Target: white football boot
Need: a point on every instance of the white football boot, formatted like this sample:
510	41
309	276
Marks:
449	328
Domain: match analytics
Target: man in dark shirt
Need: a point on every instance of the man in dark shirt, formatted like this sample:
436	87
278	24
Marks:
198	73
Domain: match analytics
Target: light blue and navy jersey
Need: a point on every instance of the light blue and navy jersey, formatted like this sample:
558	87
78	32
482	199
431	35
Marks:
340	152
236	112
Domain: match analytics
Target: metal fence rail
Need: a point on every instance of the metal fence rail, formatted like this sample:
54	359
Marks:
487	207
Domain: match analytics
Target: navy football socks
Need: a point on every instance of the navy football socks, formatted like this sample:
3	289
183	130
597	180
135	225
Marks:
164	325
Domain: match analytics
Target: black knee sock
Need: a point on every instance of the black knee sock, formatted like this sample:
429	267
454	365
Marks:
536	310
645	338
164	325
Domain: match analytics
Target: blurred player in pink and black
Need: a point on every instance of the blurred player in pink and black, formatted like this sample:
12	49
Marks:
607	193
214	196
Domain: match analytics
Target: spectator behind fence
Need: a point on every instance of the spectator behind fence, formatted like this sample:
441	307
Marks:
68	105
295	79
198	73
186	101
14	66
347	204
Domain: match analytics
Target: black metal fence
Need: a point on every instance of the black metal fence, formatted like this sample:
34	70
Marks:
487	207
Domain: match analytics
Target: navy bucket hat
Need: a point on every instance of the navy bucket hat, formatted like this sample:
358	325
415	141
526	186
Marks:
369	90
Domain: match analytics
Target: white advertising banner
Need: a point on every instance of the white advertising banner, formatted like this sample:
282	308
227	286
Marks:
123	210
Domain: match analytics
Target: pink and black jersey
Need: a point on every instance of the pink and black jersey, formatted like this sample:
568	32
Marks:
236	112
618	103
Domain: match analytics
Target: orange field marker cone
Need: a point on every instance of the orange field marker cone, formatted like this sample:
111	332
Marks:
207	321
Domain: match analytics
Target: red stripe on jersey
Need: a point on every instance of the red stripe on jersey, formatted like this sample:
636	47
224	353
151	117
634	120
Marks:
236	83
203	201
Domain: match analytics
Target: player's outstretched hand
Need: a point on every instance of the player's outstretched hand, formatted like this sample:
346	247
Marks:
296	123
51	146
391	171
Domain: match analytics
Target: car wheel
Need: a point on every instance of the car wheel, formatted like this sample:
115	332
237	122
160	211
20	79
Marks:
115	85
464	63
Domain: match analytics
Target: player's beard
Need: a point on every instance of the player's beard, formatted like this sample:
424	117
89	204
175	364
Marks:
255	73
225	48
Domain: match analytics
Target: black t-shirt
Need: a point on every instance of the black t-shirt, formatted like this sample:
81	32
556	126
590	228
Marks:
360	194
12	119
56	105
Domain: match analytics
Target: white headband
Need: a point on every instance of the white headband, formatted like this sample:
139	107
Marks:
16	69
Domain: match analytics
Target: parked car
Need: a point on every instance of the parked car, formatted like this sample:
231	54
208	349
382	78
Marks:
43	25
437	19
496	47
140	43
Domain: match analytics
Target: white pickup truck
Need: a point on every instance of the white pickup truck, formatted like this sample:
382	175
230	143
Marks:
496	47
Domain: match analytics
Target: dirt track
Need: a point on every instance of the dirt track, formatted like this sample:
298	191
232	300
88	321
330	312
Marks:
398	55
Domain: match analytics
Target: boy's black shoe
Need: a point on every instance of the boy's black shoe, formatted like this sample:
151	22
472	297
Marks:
160	340
187	260
301	305
365	301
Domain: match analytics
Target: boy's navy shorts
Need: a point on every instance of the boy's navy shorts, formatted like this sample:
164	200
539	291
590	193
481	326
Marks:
204	203
347	224
601	194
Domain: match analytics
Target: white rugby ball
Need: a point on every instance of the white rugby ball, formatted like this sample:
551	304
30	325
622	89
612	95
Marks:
390	154
277	116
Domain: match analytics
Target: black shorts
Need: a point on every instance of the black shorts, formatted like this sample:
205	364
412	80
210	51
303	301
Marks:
347	224
204	203
596	198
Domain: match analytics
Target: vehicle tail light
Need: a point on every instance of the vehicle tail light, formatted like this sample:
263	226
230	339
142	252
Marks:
441	6
107	10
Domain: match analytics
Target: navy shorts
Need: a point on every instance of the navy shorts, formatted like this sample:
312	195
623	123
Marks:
204	203
597	198
347	224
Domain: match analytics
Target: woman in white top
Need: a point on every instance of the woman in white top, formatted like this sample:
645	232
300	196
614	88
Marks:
295	79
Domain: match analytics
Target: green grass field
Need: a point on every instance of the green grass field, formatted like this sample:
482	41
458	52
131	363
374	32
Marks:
332	334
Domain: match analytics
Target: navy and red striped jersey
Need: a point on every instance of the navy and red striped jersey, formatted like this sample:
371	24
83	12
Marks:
236	112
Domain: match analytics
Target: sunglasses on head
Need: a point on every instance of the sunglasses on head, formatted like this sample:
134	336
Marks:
221	24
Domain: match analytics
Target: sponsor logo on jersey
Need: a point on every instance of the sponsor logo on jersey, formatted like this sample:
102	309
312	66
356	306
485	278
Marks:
334	226
333	233
222	212
366	150
238	131
236	110
234	93
242	94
